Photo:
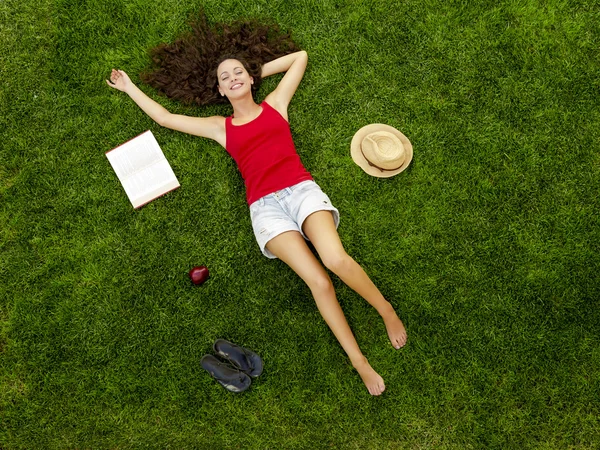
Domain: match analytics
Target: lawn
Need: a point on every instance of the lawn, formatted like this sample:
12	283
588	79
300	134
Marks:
488	245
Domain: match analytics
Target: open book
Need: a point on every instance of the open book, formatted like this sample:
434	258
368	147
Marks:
142	169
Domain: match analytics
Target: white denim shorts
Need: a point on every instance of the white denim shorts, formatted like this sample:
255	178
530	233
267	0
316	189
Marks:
286	210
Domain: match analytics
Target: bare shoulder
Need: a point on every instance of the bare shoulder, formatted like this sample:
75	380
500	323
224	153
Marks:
217	123
280	107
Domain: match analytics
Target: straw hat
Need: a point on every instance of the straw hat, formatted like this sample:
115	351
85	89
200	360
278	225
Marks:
381	150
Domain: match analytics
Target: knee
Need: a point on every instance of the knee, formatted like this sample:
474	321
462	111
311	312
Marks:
321	284
338	262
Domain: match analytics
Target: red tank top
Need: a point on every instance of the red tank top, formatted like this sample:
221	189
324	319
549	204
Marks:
265	154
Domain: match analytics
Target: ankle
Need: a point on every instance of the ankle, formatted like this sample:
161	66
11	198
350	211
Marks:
360	362
386	310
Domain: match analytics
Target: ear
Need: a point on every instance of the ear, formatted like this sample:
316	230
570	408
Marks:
251	80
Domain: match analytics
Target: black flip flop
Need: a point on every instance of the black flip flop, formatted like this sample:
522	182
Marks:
245	360
229	377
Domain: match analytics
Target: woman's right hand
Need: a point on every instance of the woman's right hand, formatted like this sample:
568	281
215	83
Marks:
119	80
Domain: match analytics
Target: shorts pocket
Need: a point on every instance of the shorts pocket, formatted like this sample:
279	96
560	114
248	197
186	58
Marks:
254	208
308	185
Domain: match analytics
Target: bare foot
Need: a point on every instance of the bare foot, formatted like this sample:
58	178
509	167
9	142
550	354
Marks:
395	328
372	379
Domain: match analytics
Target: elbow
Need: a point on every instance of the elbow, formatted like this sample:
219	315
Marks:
300	58
299	55
162	120
304	57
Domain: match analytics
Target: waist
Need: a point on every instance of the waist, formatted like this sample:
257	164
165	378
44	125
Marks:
283	193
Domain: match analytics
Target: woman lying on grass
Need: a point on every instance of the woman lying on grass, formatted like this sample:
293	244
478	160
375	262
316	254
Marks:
287	207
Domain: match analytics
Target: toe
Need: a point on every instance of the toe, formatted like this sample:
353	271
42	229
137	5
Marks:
401	340
397	343
378	389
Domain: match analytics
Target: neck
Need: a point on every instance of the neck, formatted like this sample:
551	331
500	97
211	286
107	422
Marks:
244	107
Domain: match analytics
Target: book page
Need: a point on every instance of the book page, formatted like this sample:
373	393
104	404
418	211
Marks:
136	154
154	177
142	169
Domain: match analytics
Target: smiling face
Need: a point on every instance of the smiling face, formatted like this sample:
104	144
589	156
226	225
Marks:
234	80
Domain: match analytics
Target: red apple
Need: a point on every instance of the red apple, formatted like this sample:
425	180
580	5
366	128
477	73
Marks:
199	274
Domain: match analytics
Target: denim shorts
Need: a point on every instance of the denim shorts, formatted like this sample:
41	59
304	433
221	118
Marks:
286	210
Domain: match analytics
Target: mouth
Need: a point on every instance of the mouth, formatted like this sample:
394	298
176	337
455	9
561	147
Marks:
236	86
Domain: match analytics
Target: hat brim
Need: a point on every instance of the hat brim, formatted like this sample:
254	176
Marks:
362	162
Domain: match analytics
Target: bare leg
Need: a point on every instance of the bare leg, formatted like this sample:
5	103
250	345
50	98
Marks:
292	249
320	229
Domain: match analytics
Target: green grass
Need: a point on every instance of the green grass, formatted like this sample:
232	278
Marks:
488	245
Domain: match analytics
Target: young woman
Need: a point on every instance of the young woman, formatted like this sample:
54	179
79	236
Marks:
286	206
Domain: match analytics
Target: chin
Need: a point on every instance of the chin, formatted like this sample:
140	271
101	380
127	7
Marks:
242	93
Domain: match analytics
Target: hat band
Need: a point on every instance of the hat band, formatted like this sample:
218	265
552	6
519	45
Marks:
376	166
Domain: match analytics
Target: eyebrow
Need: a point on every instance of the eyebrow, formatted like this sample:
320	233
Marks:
239	67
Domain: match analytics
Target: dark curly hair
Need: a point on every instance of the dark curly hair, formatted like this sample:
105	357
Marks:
186	70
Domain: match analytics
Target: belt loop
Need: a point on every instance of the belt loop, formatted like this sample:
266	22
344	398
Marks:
261	201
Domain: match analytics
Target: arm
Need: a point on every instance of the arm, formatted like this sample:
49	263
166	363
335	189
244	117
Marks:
294	66
209	127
